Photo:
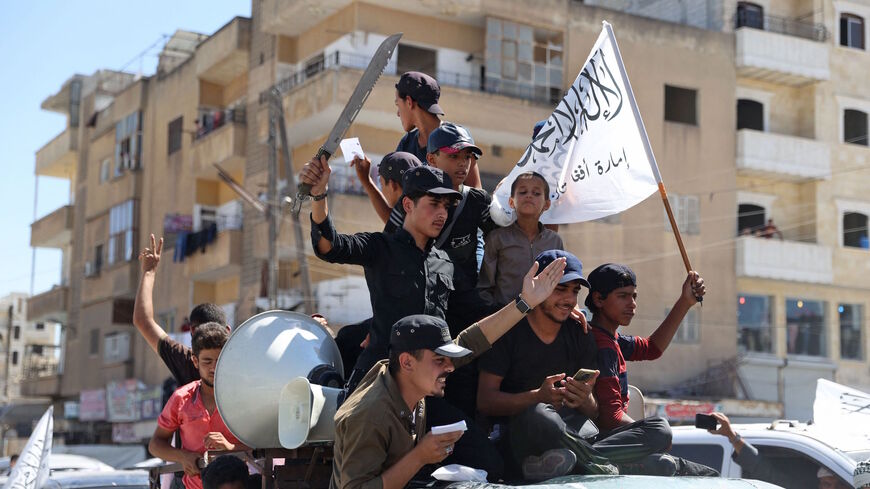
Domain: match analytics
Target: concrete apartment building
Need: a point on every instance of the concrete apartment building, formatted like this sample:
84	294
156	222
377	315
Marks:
27	348
139	155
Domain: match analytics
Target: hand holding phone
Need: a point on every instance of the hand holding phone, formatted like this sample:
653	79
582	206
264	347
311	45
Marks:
705	421
584	375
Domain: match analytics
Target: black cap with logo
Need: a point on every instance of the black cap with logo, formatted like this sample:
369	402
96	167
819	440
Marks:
423	89
423	332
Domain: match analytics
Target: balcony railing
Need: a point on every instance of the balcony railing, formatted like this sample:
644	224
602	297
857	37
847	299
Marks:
508	88
41	361
781	25
210	120
49	305
784	260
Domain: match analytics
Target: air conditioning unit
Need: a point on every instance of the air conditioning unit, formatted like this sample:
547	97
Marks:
90	269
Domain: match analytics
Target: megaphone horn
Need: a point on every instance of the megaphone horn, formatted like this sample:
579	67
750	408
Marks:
306	412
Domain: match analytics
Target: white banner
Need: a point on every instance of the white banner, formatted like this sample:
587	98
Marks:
591	150
31	470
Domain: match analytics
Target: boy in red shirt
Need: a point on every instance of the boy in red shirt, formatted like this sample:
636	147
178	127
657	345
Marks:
192	410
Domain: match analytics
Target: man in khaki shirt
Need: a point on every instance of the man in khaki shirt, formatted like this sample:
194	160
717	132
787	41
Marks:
380	438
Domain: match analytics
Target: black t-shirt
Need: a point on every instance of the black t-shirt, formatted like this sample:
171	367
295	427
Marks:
178	359
524	361
461	244
410	144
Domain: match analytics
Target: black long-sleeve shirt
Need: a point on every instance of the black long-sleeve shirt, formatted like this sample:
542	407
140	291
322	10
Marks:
402	279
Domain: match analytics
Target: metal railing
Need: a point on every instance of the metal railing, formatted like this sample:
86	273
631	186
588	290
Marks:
496	86
41	361
210	120
781	25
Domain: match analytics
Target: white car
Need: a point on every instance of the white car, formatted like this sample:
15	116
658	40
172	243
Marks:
795	450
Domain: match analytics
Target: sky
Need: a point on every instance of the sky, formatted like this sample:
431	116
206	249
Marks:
42	44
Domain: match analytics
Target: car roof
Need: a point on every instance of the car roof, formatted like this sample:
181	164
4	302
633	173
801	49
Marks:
841	442
68	461
630	482
81	479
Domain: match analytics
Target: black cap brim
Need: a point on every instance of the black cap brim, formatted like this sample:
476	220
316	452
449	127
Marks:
435	109
443	191
570	277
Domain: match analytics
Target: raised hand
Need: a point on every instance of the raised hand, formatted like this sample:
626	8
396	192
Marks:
693	287
316	173
363	167
537	289
150	257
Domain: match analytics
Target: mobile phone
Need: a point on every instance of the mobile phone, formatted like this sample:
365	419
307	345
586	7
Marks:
584	374
705	421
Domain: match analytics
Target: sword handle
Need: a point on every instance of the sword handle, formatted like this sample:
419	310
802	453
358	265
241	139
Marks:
304	190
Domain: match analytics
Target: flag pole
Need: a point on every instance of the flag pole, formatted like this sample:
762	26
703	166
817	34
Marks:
648	148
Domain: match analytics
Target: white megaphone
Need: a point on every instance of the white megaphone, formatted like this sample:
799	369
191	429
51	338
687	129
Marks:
306	412
276	366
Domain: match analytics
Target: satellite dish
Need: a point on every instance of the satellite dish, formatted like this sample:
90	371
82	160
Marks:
262	355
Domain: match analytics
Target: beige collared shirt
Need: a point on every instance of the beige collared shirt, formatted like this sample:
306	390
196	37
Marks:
507	257
374	428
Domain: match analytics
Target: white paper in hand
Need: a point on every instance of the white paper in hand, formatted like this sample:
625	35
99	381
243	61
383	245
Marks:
459	473
350	148
449	428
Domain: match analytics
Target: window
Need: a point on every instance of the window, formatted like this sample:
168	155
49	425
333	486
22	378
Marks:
14	358
167	321
851	31
105	169
40	326
754	323
122	232
786	468
128	143
750	15
16	332
117	348
855	127
851	337
710	455
523	61
412	58
687	213
750	115
749	218
95	342
680	105
690	326
98	259
805	327
855	230
174	137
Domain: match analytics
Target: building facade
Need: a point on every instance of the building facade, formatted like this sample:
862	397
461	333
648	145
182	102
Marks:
754	111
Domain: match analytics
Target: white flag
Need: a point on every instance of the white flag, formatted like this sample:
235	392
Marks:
592	149
31	470
841	409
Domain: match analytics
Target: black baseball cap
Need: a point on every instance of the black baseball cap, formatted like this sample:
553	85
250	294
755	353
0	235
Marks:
423	89
573	266
609	277
451	138
423	332
427	179
394	165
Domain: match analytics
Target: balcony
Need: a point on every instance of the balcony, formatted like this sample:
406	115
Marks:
784	260
782	157
221	141
51	305
224	56
314	98
221	259
41	370
780	58
53	230
58	158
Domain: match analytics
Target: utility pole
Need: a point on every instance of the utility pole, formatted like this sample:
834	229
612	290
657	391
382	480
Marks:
290	190
8	352
273	212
